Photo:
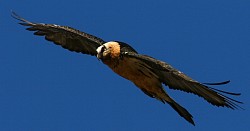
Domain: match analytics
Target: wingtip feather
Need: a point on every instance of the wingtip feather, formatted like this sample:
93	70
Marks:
218	83
16	16
23	21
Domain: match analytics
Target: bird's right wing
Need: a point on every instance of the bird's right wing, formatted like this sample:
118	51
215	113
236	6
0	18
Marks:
67	37
179	81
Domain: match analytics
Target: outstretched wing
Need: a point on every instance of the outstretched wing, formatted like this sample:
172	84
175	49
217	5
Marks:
179	81
67	37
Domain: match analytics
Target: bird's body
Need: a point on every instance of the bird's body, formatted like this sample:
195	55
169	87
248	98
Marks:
138	73
147	73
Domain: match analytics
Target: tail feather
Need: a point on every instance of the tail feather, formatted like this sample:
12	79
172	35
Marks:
163	96
182	111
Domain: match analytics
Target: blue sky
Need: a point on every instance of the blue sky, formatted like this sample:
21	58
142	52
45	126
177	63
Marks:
45	87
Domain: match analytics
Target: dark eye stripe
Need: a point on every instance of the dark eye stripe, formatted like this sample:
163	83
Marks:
103	49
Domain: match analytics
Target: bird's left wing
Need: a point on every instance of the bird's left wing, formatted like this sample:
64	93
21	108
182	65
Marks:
179	81
67	37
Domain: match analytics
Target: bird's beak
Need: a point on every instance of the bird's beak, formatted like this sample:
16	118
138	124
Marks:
99	56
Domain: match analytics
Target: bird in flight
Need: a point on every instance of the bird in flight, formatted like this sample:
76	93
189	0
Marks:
147	73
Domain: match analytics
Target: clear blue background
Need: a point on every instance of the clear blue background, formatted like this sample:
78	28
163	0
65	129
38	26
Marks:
44	87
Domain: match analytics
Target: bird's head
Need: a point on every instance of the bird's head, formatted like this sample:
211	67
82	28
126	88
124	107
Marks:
109	50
